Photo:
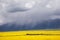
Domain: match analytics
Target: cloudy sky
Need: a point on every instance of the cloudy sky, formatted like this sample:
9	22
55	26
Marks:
23	12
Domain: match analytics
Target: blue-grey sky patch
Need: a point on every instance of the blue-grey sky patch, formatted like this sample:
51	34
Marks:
15	11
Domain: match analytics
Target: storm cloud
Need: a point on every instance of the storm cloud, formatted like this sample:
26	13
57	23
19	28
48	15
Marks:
13	11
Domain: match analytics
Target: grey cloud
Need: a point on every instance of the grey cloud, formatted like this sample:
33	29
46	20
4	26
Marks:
39	13
13	10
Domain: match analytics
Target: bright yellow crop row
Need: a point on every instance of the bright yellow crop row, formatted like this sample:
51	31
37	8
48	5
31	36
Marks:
31	35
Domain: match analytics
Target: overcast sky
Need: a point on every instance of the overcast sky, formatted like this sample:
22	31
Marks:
28	11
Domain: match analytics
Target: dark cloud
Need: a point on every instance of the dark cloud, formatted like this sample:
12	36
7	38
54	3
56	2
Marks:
15	17
13	10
